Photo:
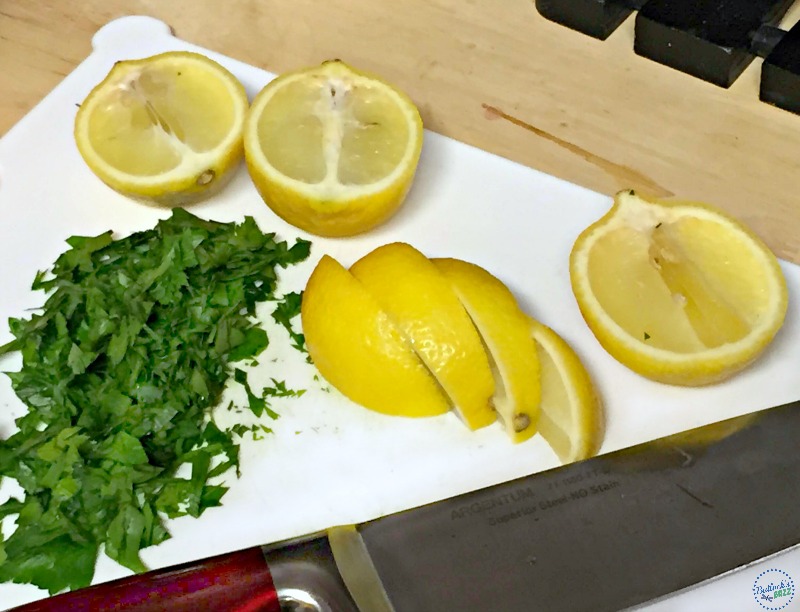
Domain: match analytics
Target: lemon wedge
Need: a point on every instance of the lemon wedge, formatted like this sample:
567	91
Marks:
505	332
420	301
332	150
357	348
165	129
571	418
677	291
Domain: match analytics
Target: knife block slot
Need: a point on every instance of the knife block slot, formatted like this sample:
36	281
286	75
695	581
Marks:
714	40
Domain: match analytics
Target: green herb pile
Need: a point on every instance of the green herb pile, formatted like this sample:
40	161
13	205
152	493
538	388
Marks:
121	370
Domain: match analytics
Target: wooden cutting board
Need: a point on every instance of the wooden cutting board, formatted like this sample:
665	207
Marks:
493	74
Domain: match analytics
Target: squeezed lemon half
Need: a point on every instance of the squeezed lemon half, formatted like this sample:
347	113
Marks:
332	150
677	291
165	129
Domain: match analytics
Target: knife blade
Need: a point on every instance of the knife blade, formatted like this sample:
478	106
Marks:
635	525
603	534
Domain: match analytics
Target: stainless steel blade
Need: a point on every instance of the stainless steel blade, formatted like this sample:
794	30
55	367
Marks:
604	534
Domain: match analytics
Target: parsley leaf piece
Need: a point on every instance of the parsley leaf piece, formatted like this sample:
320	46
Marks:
121	369
254	342
256	404
287	309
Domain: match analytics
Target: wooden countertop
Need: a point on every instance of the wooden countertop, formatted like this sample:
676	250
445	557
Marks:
503	79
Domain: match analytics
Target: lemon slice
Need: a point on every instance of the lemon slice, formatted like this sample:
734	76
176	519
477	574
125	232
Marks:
420	301
571	417
677	291
505	332
166	129
332	150
358	349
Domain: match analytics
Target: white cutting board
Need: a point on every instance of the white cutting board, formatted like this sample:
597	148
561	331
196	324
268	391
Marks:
330	461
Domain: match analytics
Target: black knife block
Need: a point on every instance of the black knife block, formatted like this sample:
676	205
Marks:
714	40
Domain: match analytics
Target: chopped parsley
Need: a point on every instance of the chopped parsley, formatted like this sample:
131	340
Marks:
121	369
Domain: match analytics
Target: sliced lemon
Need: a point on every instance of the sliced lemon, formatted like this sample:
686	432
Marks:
505	332
166	129
357	348
332	150
571	417
677	291
420	301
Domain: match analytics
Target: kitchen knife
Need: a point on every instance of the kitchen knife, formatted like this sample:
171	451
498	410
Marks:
608	533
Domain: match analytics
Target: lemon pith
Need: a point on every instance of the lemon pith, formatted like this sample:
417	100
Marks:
357	348
166	129
571	417
331	149
424	307
677	291
505	331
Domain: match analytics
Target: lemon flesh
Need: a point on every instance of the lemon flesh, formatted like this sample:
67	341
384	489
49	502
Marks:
420	301
571	417
677	291
332	150
505	332
166	129
356	347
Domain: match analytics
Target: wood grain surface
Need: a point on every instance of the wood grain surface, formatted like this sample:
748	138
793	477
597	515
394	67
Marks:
489	73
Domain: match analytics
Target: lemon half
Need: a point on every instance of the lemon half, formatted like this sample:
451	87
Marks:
332	150
677	291
165	129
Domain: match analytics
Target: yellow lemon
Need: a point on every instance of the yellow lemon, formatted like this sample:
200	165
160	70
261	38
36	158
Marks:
420	301
165	129
505	331
357	348
332	150
677	291
571	417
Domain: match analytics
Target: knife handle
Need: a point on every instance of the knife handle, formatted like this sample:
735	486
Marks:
234	582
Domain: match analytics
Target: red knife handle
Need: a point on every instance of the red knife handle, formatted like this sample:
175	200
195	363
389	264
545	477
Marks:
235	582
